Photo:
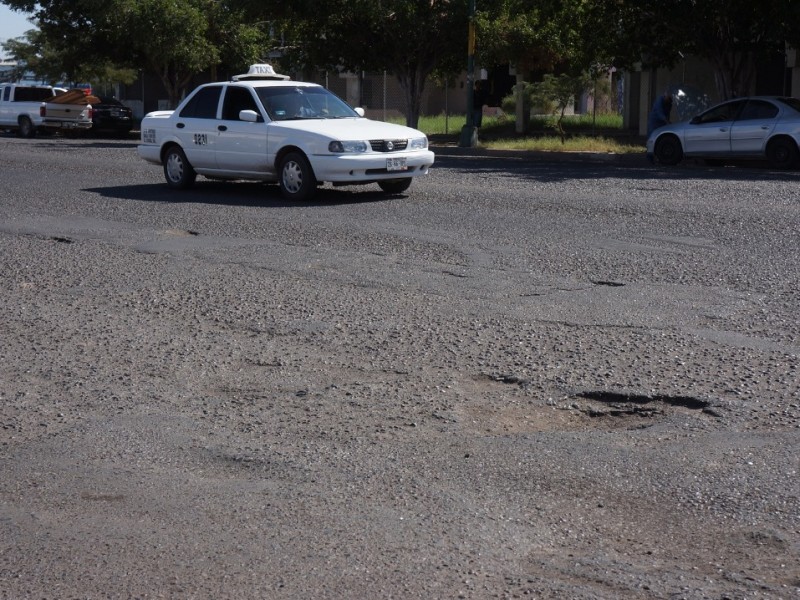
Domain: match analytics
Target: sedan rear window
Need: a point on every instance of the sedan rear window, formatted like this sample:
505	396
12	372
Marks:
791	102
758	110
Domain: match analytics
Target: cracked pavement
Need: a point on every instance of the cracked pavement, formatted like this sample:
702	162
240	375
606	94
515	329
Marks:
524	378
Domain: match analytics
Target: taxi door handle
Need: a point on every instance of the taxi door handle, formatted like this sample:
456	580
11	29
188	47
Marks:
180	125
222	128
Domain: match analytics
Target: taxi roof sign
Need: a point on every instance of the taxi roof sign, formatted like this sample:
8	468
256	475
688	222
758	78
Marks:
260	71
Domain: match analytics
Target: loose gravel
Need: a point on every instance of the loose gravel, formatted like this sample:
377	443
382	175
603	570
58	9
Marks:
524	378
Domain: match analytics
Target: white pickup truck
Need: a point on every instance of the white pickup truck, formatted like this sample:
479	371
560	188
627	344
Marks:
27	109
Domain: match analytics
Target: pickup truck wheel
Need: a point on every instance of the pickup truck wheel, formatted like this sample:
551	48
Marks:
395	186
297	181
178	172
26	128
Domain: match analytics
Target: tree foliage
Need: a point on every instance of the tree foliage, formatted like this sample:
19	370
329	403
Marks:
533	35
574	35
80	40
410	39
559	92
178	43
36	54
407	38
730	34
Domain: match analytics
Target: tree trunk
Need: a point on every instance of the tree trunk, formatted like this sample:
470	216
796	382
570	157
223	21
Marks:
733	74
174	83
413	84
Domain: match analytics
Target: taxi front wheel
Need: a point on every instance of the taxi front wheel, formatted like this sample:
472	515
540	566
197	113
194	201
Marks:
297	179
178	172
395	186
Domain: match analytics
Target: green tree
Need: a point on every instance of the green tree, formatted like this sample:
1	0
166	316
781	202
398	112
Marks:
730	34
171	38
61	48
559	92
532	35
34	53
174	39
407	38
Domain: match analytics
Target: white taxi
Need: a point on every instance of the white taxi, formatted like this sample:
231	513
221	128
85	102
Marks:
263	126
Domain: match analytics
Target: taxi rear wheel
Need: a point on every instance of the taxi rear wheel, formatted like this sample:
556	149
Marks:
395	186
179	174
297	180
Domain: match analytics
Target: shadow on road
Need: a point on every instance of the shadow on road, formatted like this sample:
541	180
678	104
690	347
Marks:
241	193
561	168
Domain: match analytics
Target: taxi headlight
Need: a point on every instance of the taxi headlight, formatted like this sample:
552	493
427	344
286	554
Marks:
419	143
338	147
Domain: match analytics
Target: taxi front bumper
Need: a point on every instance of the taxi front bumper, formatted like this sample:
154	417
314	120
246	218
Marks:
355	168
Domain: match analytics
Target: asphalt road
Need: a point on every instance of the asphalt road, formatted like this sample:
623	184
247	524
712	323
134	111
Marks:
524	378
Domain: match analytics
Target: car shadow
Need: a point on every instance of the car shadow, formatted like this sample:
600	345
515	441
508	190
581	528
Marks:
636	167
241	193
70	141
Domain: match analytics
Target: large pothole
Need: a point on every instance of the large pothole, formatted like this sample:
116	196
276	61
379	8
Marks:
637	410
502	405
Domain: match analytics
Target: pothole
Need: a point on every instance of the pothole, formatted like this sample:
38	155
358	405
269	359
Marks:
632	410
608	283
181	232
505	378
641	399
506	404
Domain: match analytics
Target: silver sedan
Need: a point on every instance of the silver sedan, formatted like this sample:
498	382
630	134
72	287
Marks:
760	127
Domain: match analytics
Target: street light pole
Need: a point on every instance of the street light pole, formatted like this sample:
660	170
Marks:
469	133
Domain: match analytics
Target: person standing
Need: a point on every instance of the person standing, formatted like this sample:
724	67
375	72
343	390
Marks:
660	113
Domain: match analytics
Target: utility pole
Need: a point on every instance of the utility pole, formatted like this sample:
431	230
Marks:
469	133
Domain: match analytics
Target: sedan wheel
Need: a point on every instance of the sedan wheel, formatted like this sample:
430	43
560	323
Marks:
782	153
178	172
668	150
297	180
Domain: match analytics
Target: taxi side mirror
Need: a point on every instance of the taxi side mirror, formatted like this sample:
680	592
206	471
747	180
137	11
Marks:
250	116
360	111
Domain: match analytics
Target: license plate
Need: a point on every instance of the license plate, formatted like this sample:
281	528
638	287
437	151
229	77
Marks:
397	163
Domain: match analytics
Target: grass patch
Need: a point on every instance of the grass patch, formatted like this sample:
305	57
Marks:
578	122
579	143
437	124
585	133
452	124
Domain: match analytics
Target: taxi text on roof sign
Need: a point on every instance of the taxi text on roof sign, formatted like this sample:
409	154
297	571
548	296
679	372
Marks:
260	71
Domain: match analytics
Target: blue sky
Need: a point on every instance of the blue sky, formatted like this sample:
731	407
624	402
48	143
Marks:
12	24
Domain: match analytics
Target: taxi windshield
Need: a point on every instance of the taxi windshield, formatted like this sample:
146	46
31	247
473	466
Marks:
285	103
